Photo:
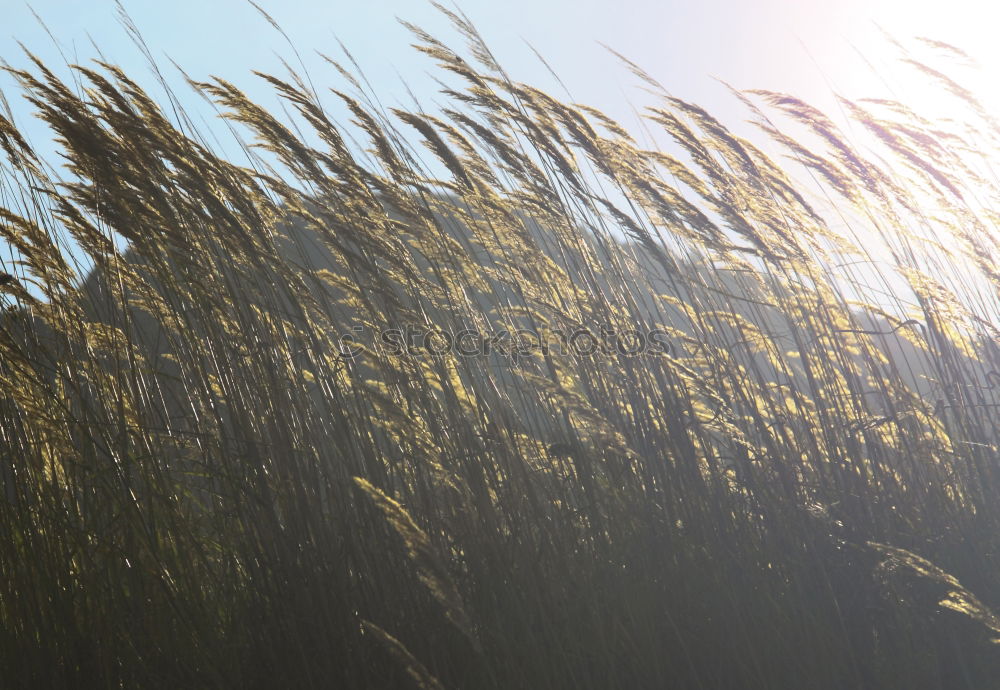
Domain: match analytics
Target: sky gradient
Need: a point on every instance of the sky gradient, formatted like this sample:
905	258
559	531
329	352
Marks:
804	48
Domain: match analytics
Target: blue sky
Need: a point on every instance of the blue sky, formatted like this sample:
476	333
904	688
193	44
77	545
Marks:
799	46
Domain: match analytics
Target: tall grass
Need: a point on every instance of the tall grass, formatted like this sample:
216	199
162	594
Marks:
201	490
